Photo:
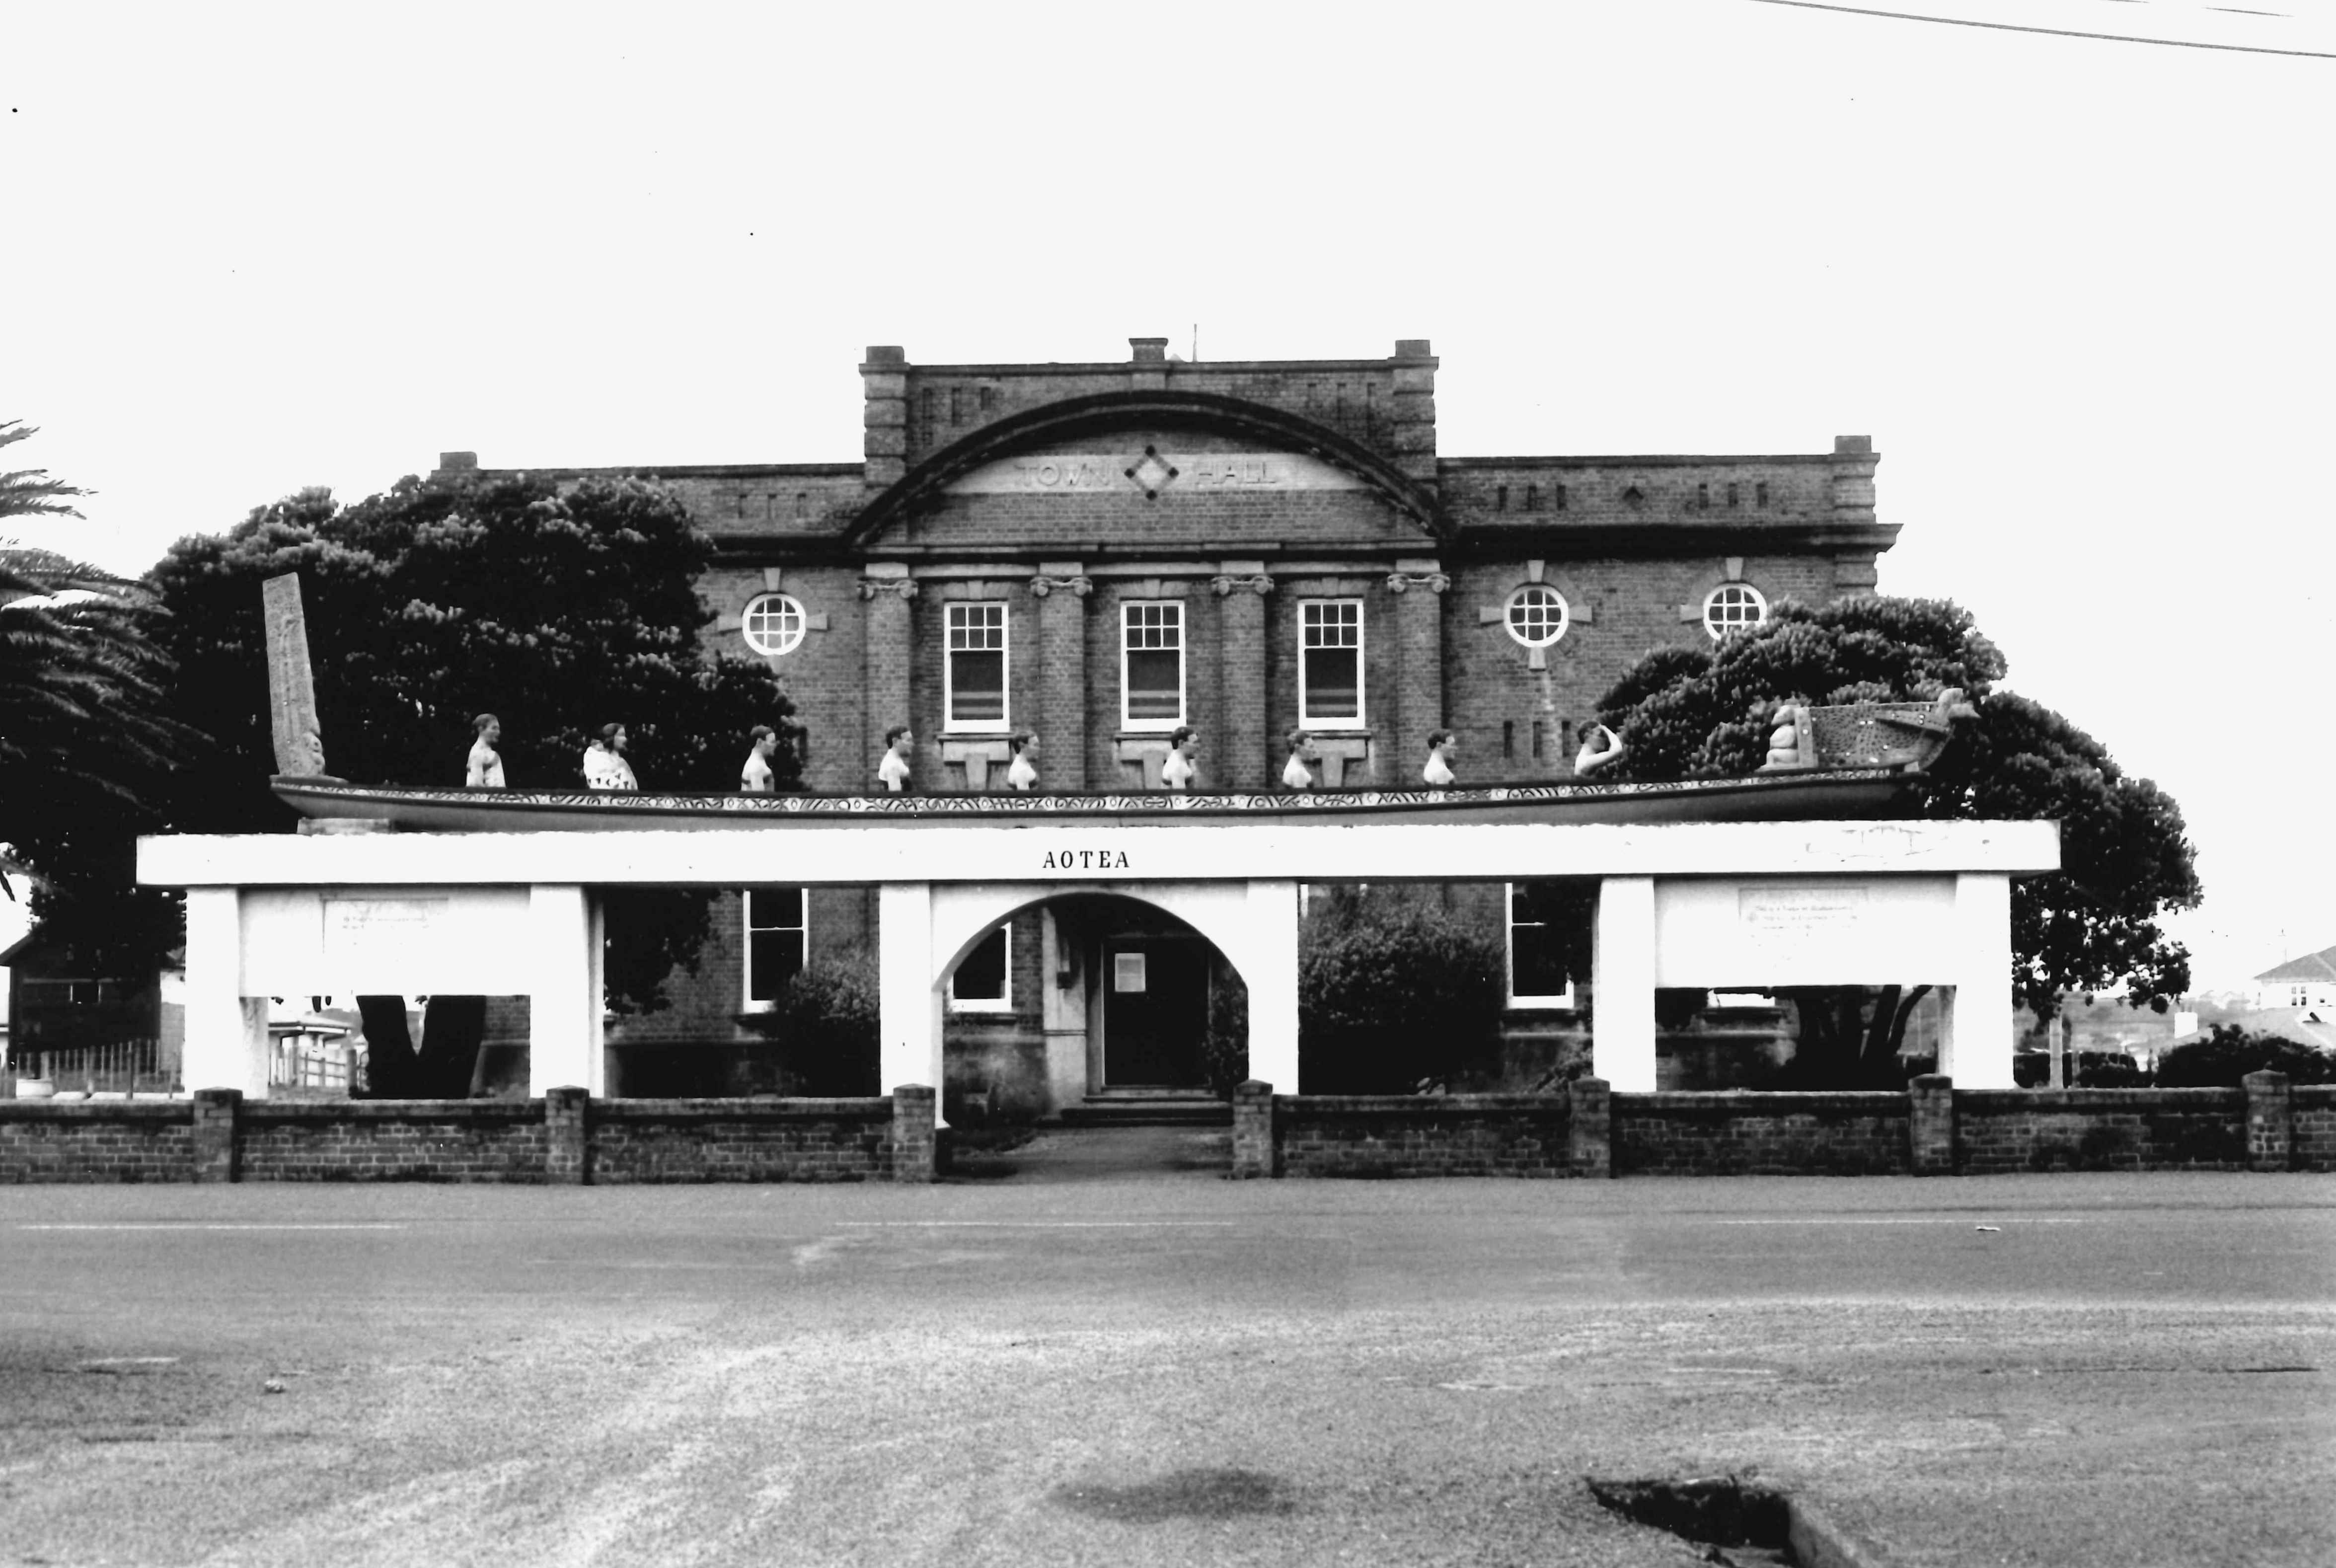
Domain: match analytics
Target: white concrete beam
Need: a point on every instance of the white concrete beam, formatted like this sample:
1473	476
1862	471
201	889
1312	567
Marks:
1101	855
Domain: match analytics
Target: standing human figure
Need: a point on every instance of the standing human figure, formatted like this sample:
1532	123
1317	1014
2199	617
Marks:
1441	745
485	767
756	778
1295	773
1022	774
892	772
605	767
1599	747
1177	770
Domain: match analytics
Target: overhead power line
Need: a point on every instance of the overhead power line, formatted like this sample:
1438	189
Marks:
2053	32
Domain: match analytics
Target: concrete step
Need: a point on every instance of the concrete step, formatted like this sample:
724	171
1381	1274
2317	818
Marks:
1162	1110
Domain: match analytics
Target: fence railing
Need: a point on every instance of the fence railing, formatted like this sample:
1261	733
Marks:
113	1066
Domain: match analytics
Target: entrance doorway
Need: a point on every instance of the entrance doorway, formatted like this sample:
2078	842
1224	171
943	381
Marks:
1154	1012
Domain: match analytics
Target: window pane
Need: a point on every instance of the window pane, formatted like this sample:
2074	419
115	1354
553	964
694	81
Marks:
981	978
977	688
1537	961
1333	683
775	957
1155	683
769	909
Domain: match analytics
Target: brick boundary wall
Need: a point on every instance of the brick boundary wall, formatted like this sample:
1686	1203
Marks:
568	1138
1762	1134
565	1138
1931	1129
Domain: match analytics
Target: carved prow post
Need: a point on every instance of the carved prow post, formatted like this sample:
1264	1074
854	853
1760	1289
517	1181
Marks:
291	693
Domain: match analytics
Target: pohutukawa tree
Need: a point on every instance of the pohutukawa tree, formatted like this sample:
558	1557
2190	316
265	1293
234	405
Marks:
2126	860
558	608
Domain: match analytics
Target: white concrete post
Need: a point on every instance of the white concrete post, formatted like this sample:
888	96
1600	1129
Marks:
909	1049
1268	966
1976	1051
1623	973
561	959
226	1031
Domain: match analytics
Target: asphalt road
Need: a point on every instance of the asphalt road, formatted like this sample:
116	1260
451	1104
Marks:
2050	1371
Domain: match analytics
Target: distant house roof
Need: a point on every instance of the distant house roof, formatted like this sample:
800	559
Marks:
2305	1026
2319	966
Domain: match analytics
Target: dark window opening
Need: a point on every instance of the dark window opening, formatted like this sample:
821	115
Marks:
1500	497
1760	494
1560	499
1731	498
1536	738
1533	498
1509	738
981	976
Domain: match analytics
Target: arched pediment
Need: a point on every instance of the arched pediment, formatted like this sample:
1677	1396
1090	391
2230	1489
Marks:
1314	455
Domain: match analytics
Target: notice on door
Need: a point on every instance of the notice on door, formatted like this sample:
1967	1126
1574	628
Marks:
1127	972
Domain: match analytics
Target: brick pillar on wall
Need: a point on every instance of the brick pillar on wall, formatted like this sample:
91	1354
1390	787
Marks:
1931	1126
1061	588
214	1134
2271	1121
1253	1131
1588	1128
884	417
888	588
1247	756
566	1137
915	1145
1855	572
1417	589
1413	436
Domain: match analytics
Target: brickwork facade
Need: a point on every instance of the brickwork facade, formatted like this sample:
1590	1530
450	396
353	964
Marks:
1292	540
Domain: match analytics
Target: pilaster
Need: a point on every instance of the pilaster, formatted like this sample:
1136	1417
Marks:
886	587
1418	588
1245	759
1061	589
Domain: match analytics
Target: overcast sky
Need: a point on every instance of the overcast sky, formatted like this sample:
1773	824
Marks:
2076	287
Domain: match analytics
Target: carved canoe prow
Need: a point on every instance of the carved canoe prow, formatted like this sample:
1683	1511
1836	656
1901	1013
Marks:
1910	735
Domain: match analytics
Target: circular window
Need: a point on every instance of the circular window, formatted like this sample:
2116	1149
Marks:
774	624
1537	615
1733	607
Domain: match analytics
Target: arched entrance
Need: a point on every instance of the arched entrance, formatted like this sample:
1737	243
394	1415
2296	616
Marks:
1127	972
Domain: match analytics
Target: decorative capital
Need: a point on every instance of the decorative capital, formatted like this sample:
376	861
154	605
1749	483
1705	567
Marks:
870	587
1260	584
1433	581
1040	587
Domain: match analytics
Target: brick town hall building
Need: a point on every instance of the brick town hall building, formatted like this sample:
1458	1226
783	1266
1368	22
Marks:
1100	553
